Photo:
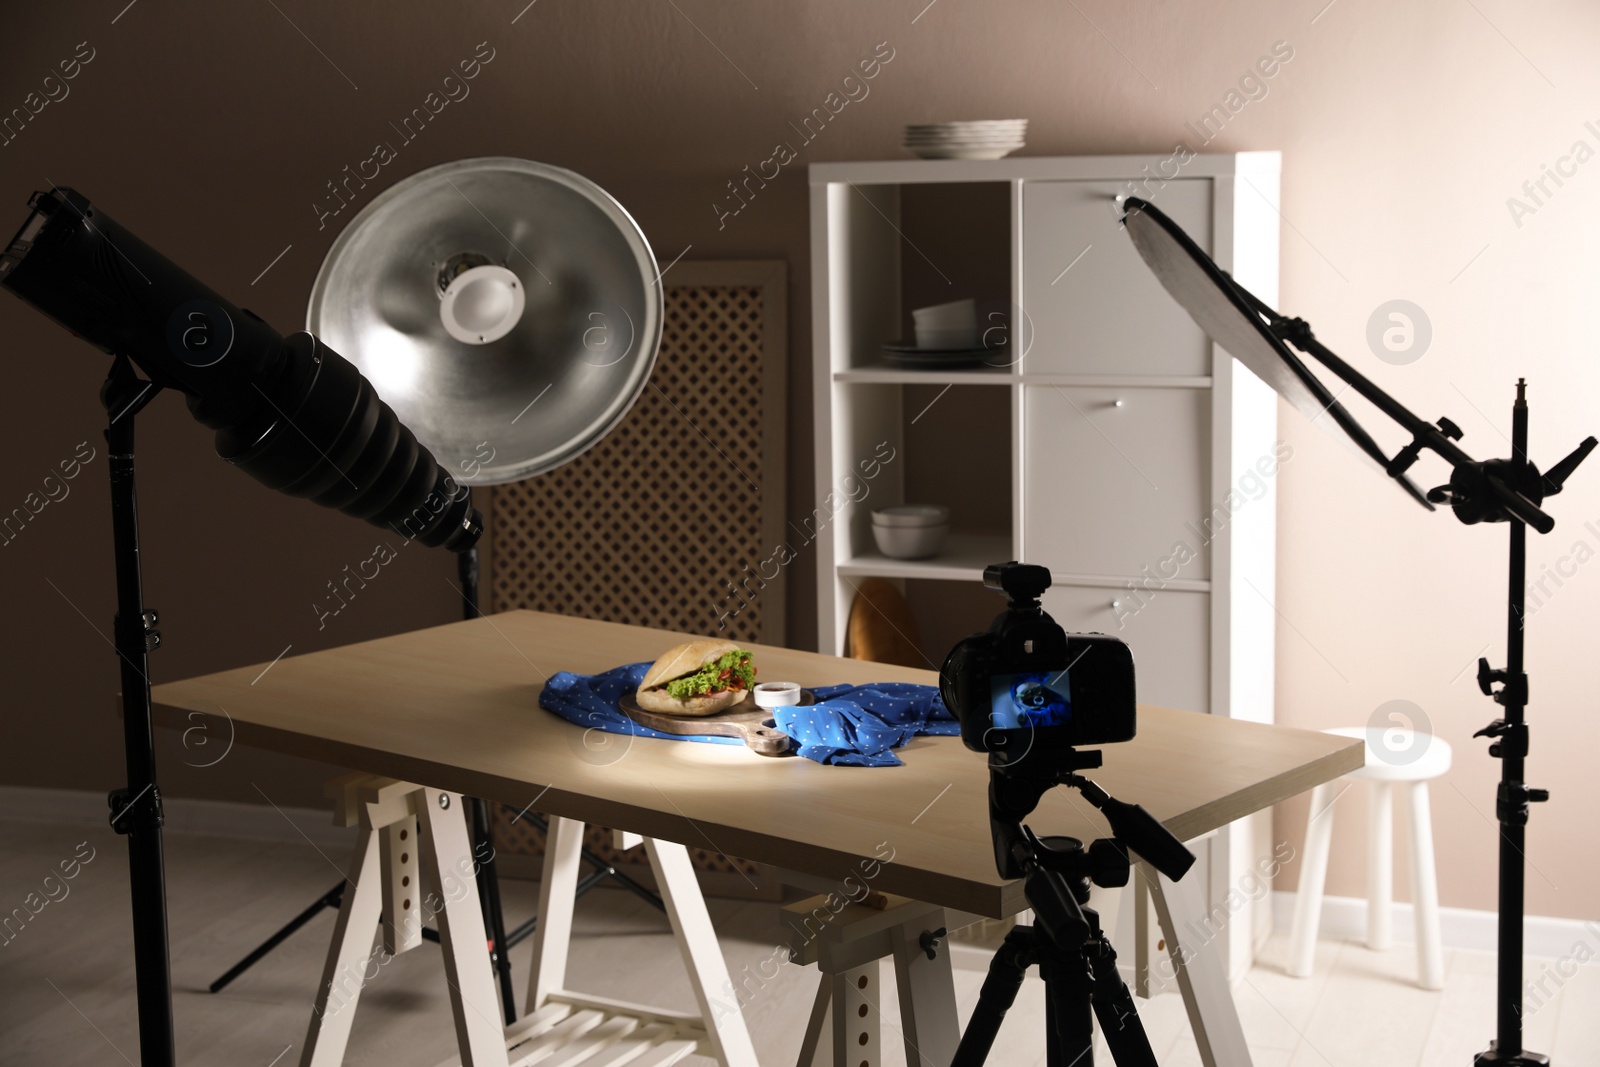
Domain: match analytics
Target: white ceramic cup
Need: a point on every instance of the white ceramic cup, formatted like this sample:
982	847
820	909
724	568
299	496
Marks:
952	325
777	694
955	313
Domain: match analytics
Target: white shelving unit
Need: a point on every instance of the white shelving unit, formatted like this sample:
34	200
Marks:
1129	433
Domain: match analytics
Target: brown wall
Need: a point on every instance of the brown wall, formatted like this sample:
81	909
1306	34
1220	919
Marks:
210	129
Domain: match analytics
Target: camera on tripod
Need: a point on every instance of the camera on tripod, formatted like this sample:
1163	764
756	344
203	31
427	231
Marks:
1028	693
1027	686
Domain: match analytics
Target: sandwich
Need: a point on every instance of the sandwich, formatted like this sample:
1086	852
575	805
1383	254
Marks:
700	678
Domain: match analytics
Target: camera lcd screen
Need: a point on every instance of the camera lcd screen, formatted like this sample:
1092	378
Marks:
1030	700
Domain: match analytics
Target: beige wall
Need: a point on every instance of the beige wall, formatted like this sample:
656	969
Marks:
210	130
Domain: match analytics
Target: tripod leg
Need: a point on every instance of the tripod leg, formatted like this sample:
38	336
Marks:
1114	1007
1006	970
1069	1035
330	899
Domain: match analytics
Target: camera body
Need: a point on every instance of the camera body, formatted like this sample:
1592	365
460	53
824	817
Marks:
1026	685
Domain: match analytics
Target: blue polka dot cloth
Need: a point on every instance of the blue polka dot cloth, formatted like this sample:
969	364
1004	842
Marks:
849	725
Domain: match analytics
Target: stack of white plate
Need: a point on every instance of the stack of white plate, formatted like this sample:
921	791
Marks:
990	139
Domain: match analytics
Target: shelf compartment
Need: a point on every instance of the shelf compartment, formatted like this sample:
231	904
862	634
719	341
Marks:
963	559
1112	581
888	374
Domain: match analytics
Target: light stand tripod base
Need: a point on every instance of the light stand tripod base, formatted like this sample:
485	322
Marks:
1492	1058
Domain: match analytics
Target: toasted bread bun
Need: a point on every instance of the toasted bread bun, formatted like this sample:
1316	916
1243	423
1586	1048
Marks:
695	707
677	662
685	659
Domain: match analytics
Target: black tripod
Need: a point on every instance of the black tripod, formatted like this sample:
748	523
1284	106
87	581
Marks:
136	811
1074	957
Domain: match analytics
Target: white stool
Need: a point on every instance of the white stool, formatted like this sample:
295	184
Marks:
1433	761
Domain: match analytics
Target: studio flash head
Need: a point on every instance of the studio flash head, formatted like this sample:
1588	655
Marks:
290	412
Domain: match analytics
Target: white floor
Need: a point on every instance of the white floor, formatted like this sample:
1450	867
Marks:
66	979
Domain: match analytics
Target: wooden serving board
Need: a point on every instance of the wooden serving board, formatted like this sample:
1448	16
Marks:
744	720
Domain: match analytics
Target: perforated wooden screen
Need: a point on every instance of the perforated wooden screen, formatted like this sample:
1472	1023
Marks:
666	521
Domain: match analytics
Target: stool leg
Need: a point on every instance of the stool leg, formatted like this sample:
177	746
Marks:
1313	876
1380	867
1425	891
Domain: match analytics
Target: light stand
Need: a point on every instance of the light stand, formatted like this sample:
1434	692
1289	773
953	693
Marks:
1496	490
494	919
288	411
136	810
483	844
481	352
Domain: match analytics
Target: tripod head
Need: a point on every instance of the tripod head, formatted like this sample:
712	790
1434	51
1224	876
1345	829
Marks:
1059	870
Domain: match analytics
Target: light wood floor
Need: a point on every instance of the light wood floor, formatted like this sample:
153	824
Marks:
66	980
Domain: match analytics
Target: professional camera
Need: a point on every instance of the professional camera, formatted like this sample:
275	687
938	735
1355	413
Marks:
1026	692
1027	685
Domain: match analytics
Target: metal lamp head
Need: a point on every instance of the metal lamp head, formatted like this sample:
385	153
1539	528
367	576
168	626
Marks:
508	311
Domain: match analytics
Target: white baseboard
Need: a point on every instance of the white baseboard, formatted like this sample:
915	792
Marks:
1345	919
206	818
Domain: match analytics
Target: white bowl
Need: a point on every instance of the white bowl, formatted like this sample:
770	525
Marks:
909	542
912	515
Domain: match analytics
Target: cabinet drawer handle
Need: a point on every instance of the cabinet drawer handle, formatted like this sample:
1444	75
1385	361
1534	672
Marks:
1119	403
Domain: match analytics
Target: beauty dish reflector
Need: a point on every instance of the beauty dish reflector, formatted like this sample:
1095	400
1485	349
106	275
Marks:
1235	319
508	311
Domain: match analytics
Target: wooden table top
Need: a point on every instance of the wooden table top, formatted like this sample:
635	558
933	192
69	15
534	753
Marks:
456	707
